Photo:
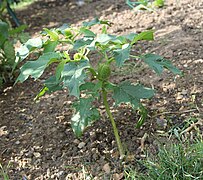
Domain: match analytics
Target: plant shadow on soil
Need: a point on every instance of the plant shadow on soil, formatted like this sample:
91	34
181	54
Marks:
37	137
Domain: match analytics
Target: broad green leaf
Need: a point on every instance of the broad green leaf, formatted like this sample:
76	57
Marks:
73	76
36	68
34	43
121	55
85	115
3	32
130	36
50	46
9	52
130	93
146	35
158	63
87	86
91	88
87	32
59	69
105	38
96	21
82	42
30	45
52	34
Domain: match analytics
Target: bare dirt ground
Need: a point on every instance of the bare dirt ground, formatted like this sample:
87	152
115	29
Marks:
36	138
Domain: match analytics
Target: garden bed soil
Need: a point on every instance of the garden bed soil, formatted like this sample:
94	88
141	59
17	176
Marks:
36	138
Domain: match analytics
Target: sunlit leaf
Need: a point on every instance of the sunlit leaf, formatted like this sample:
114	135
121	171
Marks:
52	33
146	35
87	32
121	55
73	76
36	68
50	46
105	38
29	46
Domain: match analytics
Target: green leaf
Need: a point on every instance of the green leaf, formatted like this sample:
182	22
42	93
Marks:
50	46
9	52
158	3
34	43
158	63
87	86
143	116
62	28
23	37
50	85
146	35
87	32
41	93
91	88
30	45
121	55
53	84
36	68
85	115
82	42
3	32
59	69
52	33
130	93
73	76
130	36
17	30
96	21
105	38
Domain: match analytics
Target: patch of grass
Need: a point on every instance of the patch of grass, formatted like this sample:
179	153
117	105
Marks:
4	172
174	162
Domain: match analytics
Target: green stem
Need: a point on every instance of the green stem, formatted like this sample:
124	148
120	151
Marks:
115	130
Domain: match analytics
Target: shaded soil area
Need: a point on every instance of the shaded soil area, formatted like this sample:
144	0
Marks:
36	138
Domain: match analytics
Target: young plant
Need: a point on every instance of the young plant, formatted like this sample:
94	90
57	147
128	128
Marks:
8	38
75	70
145	4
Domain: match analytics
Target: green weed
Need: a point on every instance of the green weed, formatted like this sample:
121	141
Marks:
173	162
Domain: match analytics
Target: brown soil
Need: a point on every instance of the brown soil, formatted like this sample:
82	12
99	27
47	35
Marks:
36	138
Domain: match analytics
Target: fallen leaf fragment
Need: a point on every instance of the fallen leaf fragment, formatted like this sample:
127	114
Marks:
117	176
106	168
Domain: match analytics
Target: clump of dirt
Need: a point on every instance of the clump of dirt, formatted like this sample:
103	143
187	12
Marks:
37	138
